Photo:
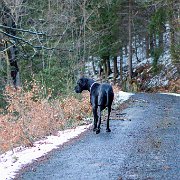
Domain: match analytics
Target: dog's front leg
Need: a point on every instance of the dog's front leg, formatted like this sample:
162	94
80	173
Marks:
95	118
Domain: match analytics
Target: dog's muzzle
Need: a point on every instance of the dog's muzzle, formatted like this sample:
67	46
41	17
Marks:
78	89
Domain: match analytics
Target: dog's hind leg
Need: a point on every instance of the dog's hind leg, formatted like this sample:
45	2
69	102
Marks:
95	118
109	111
99	119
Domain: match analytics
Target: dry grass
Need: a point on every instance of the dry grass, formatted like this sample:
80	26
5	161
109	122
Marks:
29	118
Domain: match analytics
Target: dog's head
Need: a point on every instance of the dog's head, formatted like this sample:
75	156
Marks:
82	84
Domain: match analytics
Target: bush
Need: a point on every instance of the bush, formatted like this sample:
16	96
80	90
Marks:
29	117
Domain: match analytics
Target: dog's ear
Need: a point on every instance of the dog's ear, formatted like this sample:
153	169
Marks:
86	80
80	81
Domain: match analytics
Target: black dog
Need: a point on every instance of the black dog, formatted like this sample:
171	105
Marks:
101	96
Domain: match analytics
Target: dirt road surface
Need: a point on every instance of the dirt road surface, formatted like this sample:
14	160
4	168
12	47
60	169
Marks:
144	145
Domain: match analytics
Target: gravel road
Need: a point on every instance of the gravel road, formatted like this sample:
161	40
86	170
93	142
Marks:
145	146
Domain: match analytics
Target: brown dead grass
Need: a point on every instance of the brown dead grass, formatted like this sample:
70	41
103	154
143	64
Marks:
29	118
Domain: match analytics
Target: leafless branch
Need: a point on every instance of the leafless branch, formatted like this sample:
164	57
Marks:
30	44
22	30
29	31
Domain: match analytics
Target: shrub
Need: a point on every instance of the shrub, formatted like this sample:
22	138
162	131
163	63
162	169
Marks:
29	117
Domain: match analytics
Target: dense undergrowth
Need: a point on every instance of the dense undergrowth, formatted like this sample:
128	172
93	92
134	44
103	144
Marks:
28	117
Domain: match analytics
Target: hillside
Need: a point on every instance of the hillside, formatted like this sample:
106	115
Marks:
165	79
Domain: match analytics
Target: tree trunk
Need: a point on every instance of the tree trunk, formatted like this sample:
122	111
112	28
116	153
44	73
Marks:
130	40
151	43
136	50
121	65
100	69
172	30
7	20
8	73
109	71
115	68
93	65
161	40
147	45
84	30
105	71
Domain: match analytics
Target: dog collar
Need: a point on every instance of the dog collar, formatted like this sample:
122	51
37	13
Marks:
92	85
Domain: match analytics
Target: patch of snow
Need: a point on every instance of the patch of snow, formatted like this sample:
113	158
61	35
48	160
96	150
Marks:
172	94
165	58
121	96
143	62
158	81
12	161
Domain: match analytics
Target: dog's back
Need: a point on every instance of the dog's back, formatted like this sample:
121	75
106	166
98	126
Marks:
106	95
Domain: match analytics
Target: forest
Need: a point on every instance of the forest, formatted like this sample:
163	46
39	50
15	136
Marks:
45	46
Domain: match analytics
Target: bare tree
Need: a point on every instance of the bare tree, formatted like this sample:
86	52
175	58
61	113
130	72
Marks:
10	46
130	40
